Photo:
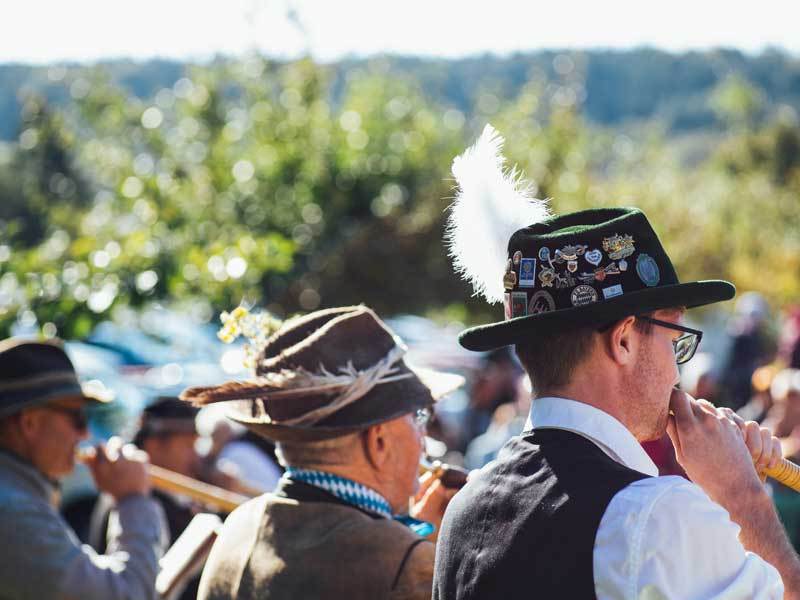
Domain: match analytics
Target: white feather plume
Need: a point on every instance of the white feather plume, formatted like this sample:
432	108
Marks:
491	203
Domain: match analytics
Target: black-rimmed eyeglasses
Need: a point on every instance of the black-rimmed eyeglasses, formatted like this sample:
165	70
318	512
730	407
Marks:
686	345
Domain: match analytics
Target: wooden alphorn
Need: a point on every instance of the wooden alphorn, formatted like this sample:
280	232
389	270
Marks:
203	493
169	481
787	473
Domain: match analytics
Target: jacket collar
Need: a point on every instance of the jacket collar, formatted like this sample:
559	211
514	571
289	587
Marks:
24	475
305	492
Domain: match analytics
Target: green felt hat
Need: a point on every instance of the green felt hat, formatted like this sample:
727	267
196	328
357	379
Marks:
583	269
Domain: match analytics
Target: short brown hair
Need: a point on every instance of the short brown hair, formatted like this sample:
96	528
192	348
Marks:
550	362
337	451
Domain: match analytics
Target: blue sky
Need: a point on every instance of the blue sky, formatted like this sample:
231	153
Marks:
43	31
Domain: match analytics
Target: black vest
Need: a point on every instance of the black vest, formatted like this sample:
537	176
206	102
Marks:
525	526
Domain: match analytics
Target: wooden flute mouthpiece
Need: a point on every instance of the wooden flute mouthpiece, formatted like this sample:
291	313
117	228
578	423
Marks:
450	475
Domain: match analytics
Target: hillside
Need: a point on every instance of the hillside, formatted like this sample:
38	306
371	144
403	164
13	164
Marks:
612	87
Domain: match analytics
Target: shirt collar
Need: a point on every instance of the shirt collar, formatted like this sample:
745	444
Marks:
353	493
598	426
345	489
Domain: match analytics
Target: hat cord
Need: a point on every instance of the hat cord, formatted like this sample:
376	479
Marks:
361	383
39	380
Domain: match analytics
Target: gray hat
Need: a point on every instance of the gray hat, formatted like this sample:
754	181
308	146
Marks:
33	373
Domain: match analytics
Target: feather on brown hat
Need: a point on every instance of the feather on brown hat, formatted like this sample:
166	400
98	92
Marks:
326	374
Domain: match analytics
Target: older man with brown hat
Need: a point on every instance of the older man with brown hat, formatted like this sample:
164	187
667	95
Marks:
348	417
42	419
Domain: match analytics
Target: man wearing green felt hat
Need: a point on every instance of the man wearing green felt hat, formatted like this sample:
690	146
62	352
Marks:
573	507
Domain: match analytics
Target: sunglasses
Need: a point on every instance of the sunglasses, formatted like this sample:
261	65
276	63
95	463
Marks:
686	345
78	417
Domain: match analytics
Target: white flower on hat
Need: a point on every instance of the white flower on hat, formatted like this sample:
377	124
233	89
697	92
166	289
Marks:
491	203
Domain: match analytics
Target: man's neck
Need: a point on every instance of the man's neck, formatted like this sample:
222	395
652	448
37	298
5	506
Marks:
598	394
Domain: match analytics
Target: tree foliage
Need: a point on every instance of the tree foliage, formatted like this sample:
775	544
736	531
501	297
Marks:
249	180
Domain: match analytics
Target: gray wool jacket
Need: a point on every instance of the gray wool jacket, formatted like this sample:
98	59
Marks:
42	559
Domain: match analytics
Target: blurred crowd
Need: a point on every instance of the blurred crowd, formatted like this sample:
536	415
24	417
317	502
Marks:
751	365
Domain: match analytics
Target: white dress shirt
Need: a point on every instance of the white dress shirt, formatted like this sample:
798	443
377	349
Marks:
660	537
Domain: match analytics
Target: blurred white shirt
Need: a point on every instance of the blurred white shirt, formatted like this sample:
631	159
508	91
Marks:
660	537
250	465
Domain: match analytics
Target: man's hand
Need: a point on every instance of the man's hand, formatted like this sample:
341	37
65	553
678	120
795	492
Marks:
119	469
431	501
718	450
765	449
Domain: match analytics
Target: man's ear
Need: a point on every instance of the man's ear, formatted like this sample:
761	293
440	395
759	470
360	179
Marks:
620	341
375	441
30	423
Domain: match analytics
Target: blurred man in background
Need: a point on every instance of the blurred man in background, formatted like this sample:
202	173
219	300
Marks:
42	420
348	415
752	346
238	459
168	435
783	418
494	384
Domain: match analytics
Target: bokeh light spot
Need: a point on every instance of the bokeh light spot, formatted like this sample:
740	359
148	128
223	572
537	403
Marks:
132	187
243	171
29	138
309	299
146	281
236	267
350	120
152	118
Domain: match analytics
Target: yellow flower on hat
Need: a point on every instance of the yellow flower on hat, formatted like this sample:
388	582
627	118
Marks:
256	327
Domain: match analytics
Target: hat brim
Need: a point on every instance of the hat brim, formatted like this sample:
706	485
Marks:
512	331
428	386
91	393
96	392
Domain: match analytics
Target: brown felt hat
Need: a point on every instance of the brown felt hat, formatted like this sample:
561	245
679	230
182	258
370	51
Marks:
33	373
327	374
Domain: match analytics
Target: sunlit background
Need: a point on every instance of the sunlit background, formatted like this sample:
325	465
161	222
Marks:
161	162
43	31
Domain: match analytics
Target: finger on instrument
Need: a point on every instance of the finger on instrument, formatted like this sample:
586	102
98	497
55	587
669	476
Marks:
681	407
755	443
707	407
772	449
